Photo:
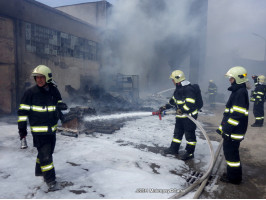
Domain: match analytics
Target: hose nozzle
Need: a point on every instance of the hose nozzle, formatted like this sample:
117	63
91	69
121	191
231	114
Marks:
157	113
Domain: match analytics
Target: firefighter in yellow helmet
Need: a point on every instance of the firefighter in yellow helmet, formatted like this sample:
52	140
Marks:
40	105
184	101
258	97
234	123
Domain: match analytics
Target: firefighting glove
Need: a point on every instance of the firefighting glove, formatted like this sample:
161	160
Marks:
61	106
22	133
179	111
161	109
254	76
61	116
226	136
219	132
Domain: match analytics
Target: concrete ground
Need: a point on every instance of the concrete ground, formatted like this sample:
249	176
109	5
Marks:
252	154
253	159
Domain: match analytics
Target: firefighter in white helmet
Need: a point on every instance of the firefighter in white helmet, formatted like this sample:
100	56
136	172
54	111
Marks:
184	101
258	97
40	105
234	123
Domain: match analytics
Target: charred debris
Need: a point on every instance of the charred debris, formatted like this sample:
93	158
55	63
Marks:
95	100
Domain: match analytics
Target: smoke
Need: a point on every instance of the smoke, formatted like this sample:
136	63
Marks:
149	38
231	40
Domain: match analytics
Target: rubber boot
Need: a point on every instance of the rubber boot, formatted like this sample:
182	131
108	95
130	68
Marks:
224	178
173	149
257	123
53	186
187	156
262	122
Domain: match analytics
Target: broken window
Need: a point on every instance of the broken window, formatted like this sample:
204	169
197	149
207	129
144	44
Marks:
45	41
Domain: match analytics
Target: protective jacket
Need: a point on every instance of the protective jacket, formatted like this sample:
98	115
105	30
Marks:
258	97
184	98
39	106
212	89
258	94
235	117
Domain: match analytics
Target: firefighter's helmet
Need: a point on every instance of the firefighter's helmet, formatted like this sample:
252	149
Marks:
238	73
211	81
177	76
43	70
261	79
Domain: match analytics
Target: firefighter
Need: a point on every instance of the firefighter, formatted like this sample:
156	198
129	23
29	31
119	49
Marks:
183	101
234	123
258	97
212	91
41	105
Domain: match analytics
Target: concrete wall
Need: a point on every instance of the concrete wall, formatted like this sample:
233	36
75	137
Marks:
23	48
7	65
95	13
66	70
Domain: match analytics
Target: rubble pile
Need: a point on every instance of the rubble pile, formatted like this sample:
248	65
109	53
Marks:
105	102
74	123
74	118
105	127
97	101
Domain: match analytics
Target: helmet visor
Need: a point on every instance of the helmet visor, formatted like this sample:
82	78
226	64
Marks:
36	74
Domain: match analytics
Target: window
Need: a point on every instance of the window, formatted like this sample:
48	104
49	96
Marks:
45	41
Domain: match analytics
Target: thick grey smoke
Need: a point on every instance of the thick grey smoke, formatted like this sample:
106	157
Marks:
230	38
150	38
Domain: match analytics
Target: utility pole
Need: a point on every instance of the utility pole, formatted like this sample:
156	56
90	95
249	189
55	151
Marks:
264	43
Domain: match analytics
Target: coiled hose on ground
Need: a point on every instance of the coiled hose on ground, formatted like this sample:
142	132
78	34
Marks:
203	184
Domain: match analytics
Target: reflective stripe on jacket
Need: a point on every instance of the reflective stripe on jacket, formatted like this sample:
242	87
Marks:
235	118
259	93
212	88
184	98
39	107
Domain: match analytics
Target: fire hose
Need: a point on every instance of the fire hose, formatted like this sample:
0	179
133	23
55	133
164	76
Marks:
203	184
205	176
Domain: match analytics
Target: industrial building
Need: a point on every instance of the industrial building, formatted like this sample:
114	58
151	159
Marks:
32	33
95	13
68	39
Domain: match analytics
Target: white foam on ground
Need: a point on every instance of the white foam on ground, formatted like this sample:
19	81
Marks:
118	116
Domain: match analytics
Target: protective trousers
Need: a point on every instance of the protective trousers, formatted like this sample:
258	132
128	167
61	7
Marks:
44	162
187	127
258	111
231	154
212	100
